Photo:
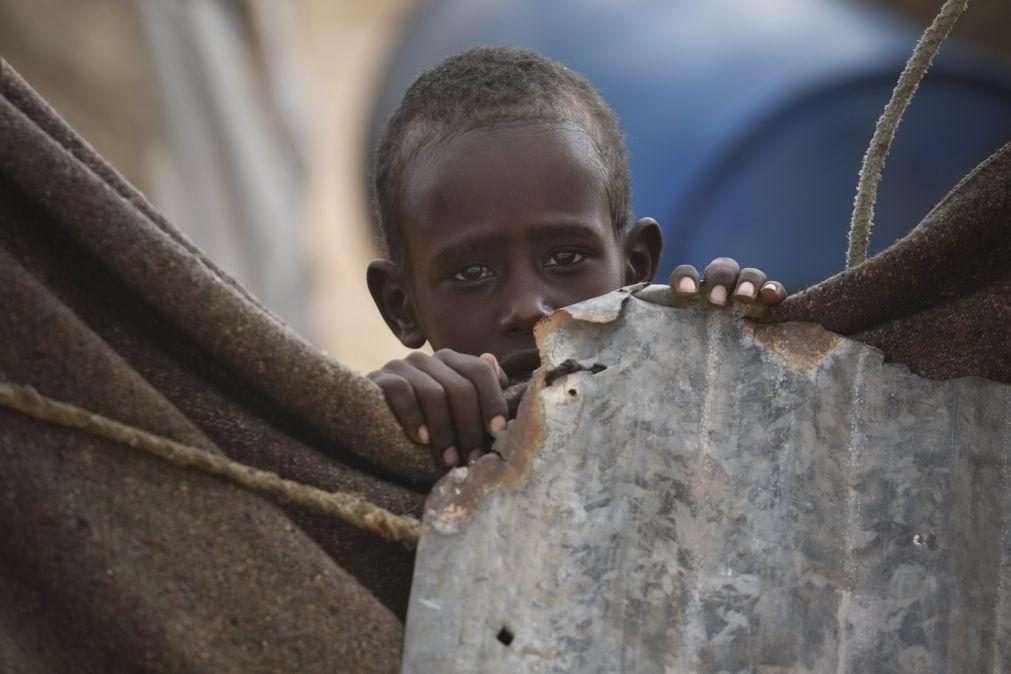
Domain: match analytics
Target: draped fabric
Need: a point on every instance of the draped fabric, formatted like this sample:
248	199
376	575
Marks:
114	562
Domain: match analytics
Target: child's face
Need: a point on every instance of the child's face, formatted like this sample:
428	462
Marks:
501	226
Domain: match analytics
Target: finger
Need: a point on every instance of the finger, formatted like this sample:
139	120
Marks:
400	397
771	292
684	280
720	277
485	381
503	378
464	404
748	283
451	457
434	406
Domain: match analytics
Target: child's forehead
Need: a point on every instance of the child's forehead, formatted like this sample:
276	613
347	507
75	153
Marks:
503	178
502	151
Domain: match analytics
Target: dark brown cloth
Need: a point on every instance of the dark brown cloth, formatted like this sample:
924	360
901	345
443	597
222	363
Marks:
114	561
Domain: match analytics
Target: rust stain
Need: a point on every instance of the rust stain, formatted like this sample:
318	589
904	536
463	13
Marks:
603	309
801	345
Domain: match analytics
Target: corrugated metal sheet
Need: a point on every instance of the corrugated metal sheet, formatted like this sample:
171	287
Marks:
722	497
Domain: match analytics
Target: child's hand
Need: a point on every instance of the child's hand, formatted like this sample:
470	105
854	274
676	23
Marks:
449	401
723	275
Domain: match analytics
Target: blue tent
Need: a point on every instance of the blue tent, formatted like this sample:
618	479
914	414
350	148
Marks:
746	121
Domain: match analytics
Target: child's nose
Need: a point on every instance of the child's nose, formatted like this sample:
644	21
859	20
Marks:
524	311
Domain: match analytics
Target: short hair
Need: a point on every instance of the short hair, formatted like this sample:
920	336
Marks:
482	87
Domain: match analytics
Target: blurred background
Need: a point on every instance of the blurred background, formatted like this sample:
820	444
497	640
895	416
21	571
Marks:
249	123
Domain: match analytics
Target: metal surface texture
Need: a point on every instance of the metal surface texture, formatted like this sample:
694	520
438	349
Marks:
684	491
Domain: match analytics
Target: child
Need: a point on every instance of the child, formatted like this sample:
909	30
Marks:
502	192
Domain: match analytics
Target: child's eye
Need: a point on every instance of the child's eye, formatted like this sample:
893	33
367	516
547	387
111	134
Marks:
563	258
473	272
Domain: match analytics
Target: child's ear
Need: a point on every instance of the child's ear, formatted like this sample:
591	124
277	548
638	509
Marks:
642	245
386	285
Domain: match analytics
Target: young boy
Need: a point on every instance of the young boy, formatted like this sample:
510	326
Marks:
502	192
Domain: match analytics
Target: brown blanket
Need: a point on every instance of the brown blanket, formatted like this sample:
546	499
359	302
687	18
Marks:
114	561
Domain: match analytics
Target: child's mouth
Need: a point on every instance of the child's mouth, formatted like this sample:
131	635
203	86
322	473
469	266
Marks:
519	365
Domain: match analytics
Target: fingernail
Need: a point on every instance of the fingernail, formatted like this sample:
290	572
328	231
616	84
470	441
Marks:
746	289
450	457
423	434
769	286
718	296
687	285
496	425
475	455
491	360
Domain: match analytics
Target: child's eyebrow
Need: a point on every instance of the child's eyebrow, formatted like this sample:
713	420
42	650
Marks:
563	231
466	248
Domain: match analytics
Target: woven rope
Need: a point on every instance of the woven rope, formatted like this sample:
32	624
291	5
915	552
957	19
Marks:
881	142
347	507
